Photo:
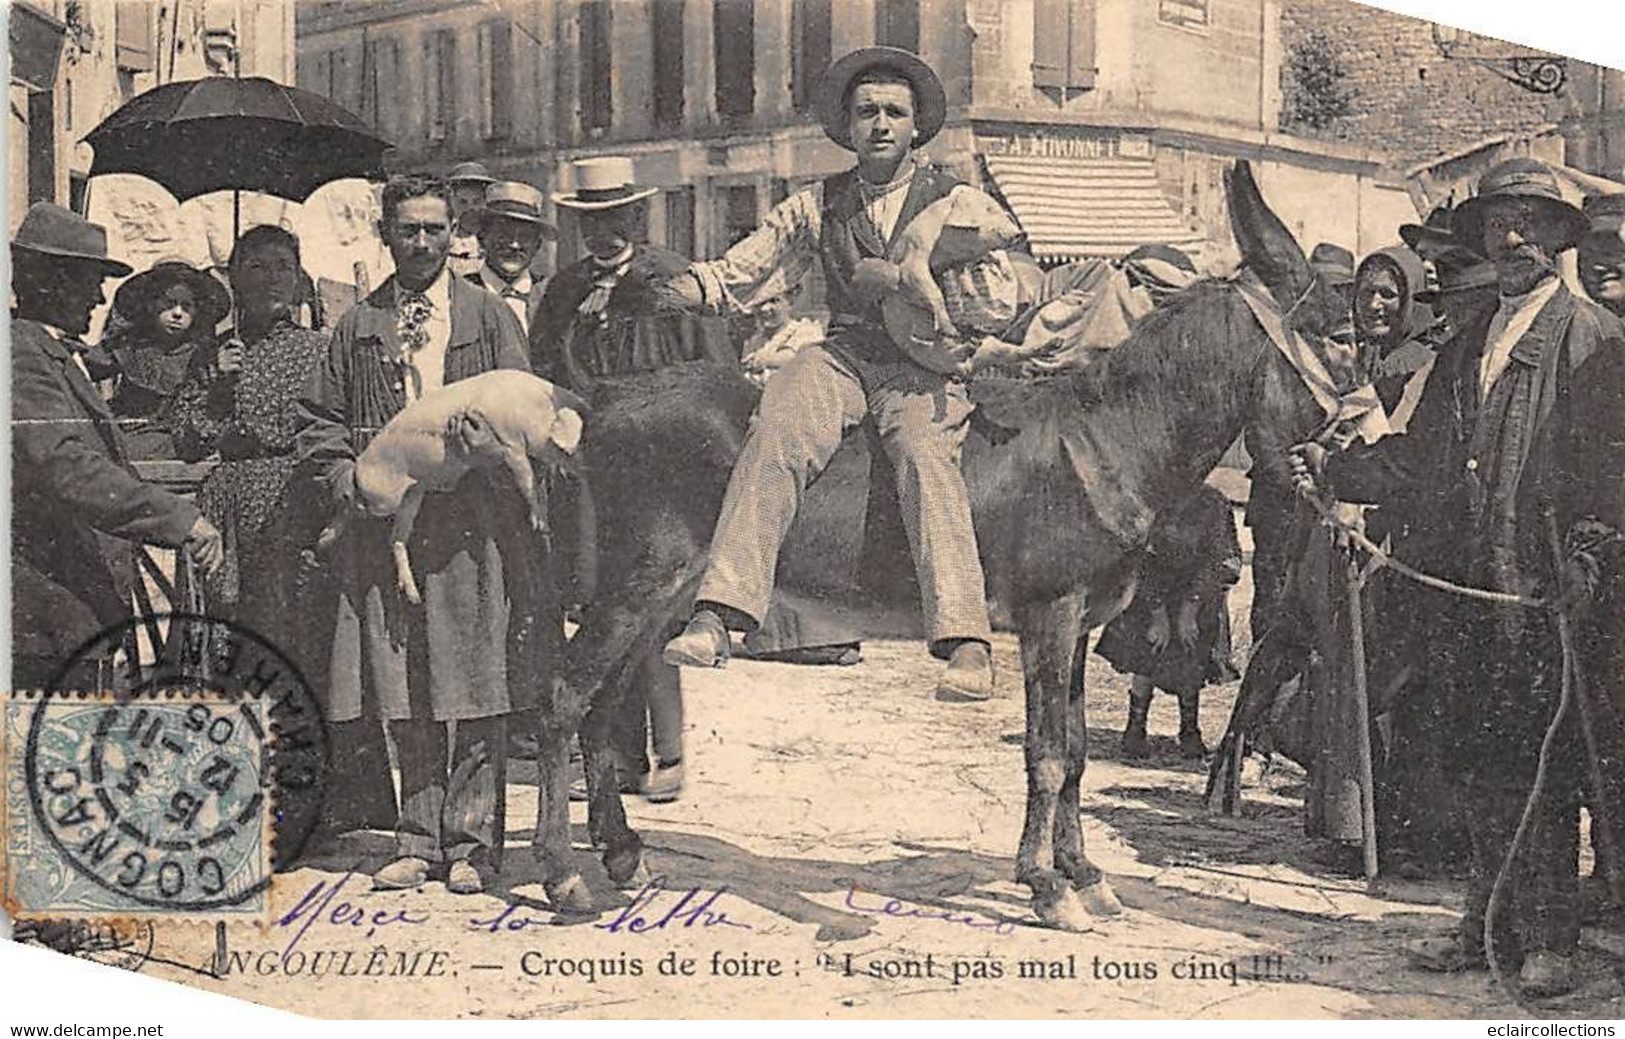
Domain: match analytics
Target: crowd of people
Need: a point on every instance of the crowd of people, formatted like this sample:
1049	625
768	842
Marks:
1493	380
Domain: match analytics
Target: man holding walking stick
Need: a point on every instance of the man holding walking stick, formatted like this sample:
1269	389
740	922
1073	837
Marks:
1499	425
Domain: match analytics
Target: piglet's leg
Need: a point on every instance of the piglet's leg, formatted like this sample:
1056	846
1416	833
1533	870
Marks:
406	518
524	477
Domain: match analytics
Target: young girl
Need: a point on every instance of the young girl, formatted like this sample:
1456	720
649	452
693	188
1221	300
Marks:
1175	635
166	313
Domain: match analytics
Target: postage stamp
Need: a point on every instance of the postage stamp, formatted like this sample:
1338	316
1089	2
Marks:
168	798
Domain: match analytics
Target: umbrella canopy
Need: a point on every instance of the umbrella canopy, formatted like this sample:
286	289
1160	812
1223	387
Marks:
215	134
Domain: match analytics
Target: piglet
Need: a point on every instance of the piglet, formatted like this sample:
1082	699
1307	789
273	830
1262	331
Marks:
501	418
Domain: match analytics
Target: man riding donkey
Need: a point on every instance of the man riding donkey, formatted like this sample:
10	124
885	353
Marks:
1499	425
883	104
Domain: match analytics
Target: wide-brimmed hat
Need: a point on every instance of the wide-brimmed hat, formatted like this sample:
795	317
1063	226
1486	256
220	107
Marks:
213	301
1521	179
515	200
50	230
602	182
1333	262
930	101
1433	235
467	172
1606	214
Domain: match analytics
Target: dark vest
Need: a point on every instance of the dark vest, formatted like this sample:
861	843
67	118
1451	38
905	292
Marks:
849	236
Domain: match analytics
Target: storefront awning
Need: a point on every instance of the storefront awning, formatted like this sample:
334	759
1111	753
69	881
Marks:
1074	207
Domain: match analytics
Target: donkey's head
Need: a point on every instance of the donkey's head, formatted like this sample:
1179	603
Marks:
1314	307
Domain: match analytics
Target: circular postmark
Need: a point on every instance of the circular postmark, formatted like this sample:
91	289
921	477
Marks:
185	791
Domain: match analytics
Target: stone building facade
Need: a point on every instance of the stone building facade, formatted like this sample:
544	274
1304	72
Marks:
1104	123
75	61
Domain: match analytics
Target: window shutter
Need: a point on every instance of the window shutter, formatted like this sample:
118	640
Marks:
596	102
897	24
133	28
734	41
810	55
1064	44
666	22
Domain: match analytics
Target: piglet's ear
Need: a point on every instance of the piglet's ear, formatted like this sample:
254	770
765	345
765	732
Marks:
566	431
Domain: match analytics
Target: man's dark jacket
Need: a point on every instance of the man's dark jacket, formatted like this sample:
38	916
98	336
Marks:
72	481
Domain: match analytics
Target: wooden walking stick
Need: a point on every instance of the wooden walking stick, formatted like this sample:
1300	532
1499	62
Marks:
1368	799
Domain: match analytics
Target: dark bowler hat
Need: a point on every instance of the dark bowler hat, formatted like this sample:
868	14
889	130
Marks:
470	172
49	230
1460	271
515	200
1522	179
930	102
1606	214
1432	235
603	182
213	302
1335	263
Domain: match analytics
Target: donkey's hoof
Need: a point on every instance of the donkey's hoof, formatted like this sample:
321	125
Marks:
1066	912
1099	899
570	895
625	866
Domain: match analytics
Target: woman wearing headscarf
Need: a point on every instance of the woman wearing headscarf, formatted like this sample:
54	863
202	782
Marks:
1397	334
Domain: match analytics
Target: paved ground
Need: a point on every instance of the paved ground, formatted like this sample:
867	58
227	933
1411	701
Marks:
862	838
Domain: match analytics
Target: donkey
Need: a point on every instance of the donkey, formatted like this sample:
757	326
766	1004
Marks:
1063	502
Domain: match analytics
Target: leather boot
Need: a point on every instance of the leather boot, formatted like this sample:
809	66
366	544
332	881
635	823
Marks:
1546	973
703	643
968	678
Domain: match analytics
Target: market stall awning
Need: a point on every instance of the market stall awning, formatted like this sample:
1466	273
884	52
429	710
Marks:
1076	207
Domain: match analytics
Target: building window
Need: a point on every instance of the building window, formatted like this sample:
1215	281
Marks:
734	40
495	61
809	51
680	221
597	104
133	27
41	145
666	23
439	82
897	24
739	218
380	86
1064	44
1187	14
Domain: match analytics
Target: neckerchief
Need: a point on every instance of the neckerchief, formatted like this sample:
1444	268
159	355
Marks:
606	275
412	313
1358	412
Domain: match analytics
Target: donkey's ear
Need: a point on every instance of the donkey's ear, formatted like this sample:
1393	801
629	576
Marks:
1266	245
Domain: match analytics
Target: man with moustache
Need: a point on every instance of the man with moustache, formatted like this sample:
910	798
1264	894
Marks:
468	181
78	507
478	647
881	103
512	228
1496	428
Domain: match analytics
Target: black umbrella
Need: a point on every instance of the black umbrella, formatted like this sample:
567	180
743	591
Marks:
217	134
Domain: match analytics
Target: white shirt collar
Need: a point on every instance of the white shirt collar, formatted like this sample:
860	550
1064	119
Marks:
438	293
497	284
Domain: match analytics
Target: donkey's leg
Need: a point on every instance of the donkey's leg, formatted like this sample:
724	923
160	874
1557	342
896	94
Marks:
1049	636
623	848
1070	858
551	843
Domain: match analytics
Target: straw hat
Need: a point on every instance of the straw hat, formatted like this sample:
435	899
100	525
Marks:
603	182
515	200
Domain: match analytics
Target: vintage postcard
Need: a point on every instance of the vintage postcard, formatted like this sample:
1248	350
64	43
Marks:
817	508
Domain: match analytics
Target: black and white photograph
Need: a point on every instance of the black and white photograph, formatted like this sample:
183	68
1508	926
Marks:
817	509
